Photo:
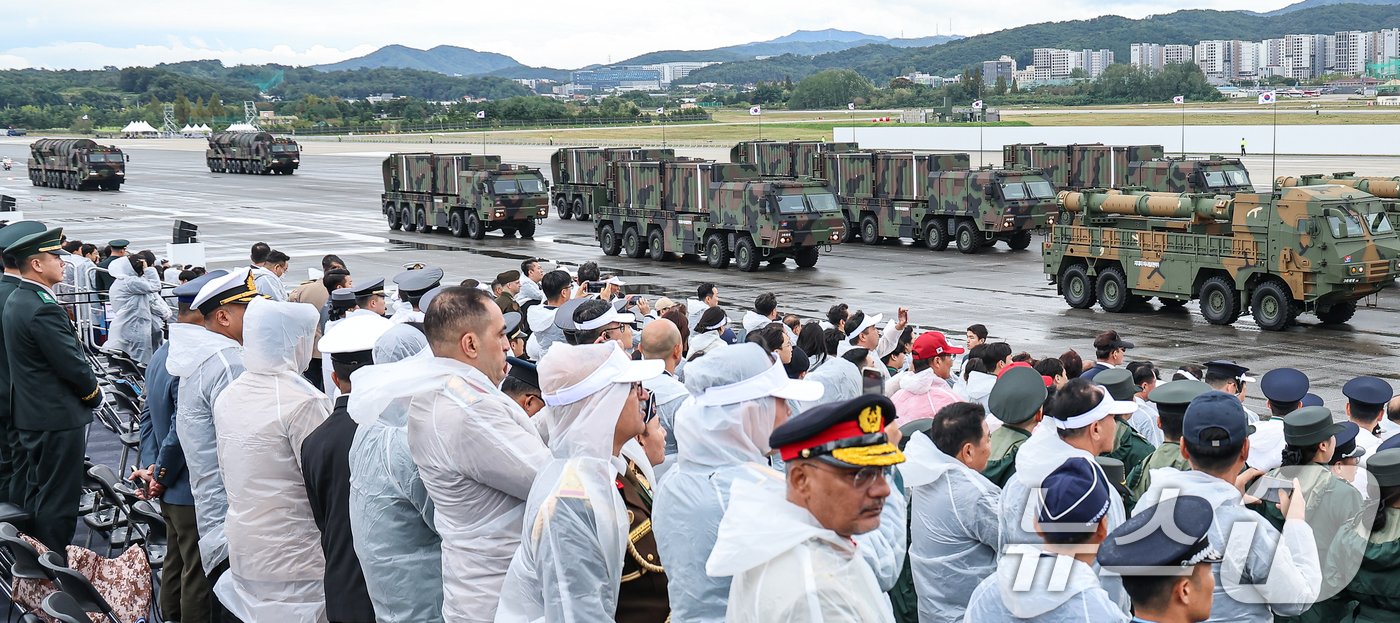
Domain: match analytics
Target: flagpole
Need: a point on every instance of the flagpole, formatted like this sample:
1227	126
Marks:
1183	128
1273	171
760	123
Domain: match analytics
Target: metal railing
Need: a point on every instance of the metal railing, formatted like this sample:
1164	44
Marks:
391	127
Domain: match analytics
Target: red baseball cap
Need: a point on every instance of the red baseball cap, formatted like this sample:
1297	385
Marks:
1049	381
932	344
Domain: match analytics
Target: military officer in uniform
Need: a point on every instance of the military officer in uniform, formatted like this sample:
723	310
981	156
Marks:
642	597
1130	447
12	483
413	284
1284	389
1374	594
510	286
1017	399
1164	556
53	389
1231	378
105	279
1171	399
370	296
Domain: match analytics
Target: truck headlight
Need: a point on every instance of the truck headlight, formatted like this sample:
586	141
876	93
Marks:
296	160
500	213
785	237
1356	269
543	211
835	235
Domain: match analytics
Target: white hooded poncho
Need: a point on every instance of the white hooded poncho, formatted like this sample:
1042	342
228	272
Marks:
276	565
1061	590
138	312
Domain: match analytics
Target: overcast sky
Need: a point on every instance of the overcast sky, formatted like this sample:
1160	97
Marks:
555	33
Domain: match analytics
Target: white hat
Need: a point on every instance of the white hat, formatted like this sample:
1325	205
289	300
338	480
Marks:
865	323
354	334
236	287
617	368
772	381
608	317
1107	406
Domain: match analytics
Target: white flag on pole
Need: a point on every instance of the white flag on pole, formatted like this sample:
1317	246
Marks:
1268	97
755	111
977	105
661	111
1179	99
851	106
480	114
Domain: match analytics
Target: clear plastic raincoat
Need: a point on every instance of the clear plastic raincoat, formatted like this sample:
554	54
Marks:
841	378
206	363
477	454
786	567
138	312
1053	596
269	284
569	565
955	536
276	565
718	445
387	497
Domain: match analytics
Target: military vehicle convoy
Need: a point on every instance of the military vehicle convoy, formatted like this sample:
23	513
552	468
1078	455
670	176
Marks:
76	164
1301	249
1385	188
721	210
581	173
1095	165
469	195
792	159
255	153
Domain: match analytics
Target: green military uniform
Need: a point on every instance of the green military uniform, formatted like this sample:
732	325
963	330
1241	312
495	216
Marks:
1006	441
1373	596
52	394
12	484
1130	446
507	303
104	280
1166	455
642	597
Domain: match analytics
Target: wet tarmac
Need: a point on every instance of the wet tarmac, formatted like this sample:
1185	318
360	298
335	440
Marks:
332	206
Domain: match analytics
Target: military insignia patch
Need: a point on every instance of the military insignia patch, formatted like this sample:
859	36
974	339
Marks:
44	296
871	420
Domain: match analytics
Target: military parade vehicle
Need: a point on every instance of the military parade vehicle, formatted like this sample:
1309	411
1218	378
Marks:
581	173
1084	166
469	195
721	210
76	164
792	159
257	153
1300	249
1385	188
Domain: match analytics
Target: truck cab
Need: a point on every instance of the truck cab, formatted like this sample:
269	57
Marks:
507	198
284	154
798	214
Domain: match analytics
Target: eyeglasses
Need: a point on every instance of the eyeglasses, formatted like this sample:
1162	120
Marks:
646	400
861	478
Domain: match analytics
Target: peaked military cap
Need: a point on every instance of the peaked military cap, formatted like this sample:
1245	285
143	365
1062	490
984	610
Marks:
1391	442
1311	400
119	243
416	282
48	241
1346	444
1385	466
514	326
1228	370
1176	394
343	297
849	434
1309	426
1170	537
1284	385
370	288
524	371
186	292
428	297
1368	390
1019	393
1119	382
350	343
1116	472
237	287
11	233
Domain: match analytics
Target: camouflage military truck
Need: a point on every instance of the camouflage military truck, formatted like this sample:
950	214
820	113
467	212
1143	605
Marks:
1387	189
1303	249
790	160
1085	166
76	164
469	195
720	210
581	175
257	153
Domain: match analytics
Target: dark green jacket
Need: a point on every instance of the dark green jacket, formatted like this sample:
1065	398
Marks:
1130	447
1332	504
1006	442
101	279
8	284
1374	594
1166	455
52	387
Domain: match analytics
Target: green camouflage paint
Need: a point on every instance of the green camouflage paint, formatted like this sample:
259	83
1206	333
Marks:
257	153
76	164
581	175
464	193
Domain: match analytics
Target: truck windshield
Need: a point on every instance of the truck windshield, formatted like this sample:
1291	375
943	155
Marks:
1041	189
1345	224
1216	179
278	148
505	187
790	204
1239	179
530	185
1379	222
824	202
1013	191
104	157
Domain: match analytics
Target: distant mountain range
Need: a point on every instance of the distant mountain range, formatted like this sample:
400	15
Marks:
458	61
1309	4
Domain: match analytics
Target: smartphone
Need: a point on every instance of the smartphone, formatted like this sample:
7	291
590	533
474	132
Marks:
594	287
1267	488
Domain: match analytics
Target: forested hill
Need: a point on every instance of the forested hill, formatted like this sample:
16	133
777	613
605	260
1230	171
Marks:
880	63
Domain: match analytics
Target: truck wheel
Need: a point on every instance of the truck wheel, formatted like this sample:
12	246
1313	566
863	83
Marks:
935	235
1112	289
607	238
580	212
746	255
527	229
1078	287
656	245
969	239
475	230
561	206
392	216
1020	241
1338	313
869	230
507	232
1270	305
632	243
455	224
807	257
1220	302
717	252
421	217
406	217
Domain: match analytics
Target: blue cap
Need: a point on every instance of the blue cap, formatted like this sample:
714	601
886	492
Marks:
1346	444
1167	538
1369	390
1215	410
190	289
1076	494
1312	400
1284	385
1391	442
